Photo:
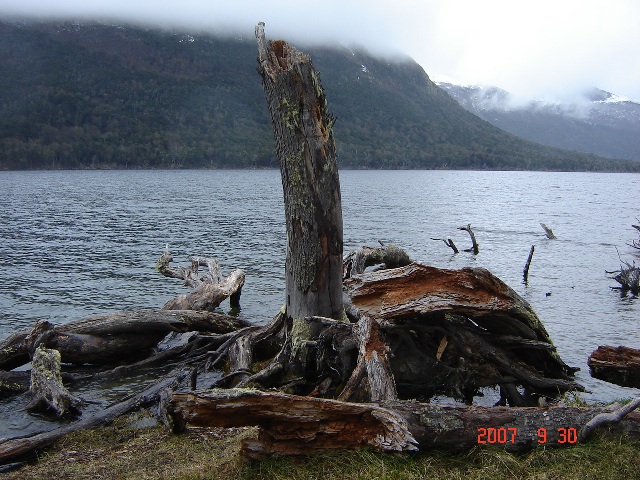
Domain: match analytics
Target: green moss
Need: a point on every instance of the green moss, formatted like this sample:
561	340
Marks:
290	115
300	334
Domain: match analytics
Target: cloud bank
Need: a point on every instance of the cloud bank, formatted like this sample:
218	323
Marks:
534	49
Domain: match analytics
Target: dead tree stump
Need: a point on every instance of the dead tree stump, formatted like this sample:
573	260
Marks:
303	131
47	390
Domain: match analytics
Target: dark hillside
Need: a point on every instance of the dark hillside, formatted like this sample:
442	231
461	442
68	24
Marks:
98	96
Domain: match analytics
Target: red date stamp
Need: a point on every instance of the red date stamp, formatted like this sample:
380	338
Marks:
509	435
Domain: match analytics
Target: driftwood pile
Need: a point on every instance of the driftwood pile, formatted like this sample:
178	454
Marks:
362	343
410	333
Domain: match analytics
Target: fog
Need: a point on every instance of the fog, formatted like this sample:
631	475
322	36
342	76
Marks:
542	49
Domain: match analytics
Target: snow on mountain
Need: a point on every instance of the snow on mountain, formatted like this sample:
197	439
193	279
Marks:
599	122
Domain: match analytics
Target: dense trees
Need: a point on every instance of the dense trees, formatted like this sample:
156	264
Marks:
97	96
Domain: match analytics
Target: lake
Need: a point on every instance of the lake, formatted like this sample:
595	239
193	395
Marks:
79	243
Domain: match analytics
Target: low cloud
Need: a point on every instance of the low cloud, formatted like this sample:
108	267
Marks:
541	48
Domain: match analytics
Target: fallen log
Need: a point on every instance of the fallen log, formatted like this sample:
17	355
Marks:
619	365
387	256
112	338
151	320
295	425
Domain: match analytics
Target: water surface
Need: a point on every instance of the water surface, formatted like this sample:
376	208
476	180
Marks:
78	243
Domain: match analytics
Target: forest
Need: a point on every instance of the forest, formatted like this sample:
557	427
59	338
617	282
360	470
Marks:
89	96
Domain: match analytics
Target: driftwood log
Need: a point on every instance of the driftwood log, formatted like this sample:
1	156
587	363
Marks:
548	232
475	248
295	425
210	288
619	365
111	338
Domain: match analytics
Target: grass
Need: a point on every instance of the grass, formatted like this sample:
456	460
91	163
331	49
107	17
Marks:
122	452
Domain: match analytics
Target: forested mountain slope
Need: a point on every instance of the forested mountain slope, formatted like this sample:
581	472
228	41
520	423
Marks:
88	95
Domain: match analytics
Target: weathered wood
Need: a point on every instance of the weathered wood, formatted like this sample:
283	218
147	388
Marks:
210	288
152	320
13	352
525	272
16	447
607	418
449	243
418	290
372	367
241	358
191	275
493	336
303	131
208	296
635	243
548	232
619	365
295	425
474	244
47	391
628	277
14	383
389	256
112	338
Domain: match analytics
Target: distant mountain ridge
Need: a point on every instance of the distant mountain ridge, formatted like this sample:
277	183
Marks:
600	123
89	95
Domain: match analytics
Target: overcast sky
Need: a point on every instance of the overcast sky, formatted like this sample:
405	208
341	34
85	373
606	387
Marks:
542	48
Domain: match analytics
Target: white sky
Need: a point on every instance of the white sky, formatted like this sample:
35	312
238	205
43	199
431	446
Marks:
543	48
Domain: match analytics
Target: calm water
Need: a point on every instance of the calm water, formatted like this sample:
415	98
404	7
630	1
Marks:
80	243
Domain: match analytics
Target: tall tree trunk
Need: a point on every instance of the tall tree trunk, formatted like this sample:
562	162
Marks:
303	133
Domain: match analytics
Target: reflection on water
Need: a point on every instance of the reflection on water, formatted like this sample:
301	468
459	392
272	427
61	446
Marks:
81	243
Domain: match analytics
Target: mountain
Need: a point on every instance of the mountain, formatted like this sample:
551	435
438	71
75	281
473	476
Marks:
90	95
600	122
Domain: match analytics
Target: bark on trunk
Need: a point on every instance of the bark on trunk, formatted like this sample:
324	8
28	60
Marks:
305	147
296	425
619	365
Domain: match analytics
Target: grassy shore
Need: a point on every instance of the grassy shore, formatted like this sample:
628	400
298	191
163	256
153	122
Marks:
122	452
